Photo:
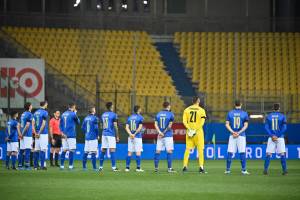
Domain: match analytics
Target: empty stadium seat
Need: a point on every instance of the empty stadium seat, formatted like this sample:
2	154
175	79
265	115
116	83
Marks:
81	54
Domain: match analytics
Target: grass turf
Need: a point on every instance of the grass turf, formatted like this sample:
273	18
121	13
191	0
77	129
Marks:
77	184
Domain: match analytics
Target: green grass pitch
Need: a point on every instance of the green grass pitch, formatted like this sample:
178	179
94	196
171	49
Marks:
77	185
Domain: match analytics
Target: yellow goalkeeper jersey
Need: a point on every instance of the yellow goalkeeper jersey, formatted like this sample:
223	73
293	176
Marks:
194	117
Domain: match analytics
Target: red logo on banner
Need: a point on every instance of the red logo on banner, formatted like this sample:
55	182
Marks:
179	131
27	82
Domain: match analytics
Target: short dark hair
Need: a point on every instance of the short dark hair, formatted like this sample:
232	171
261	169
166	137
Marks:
13	113
276	106
71	104
136	108
109	105
195	99
166	104
43	103
27	106
91	109
237	102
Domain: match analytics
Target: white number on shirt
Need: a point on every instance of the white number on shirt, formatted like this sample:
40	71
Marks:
274	124
236	122
88	127
9	127
162	122
65	120
105	122
22	123
132	125
37	122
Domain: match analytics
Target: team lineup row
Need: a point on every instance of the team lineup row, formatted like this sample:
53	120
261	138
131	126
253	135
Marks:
31	135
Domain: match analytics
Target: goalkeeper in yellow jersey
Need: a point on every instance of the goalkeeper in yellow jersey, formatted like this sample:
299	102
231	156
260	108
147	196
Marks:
193	119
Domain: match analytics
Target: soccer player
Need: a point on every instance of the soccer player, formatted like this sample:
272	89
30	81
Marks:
133	128
236	124
12	133
55	137
91	130
193	119
40	125
110	135
26	137
67	125
275	126
163	125
21	154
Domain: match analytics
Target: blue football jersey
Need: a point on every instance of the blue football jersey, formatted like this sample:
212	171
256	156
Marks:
26	117
90	127
134	122
275	124
38	116
108	119
68	122
11	130
163	119
237	118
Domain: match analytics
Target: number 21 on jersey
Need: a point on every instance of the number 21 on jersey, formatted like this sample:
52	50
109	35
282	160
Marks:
193	117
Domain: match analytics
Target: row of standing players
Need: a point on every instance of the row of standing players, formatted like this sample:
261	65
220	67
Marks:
63	133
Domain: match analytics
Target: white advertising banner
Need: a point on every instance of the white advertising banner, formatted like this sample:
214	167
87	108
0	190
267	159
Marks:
21	79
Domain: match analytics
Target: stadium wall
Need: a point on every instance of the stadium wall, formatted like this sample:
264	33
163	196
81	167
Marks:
187	15
256	133
219	152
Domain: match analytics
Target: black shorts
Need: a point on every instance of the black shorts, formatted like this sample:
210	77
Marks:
57	143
